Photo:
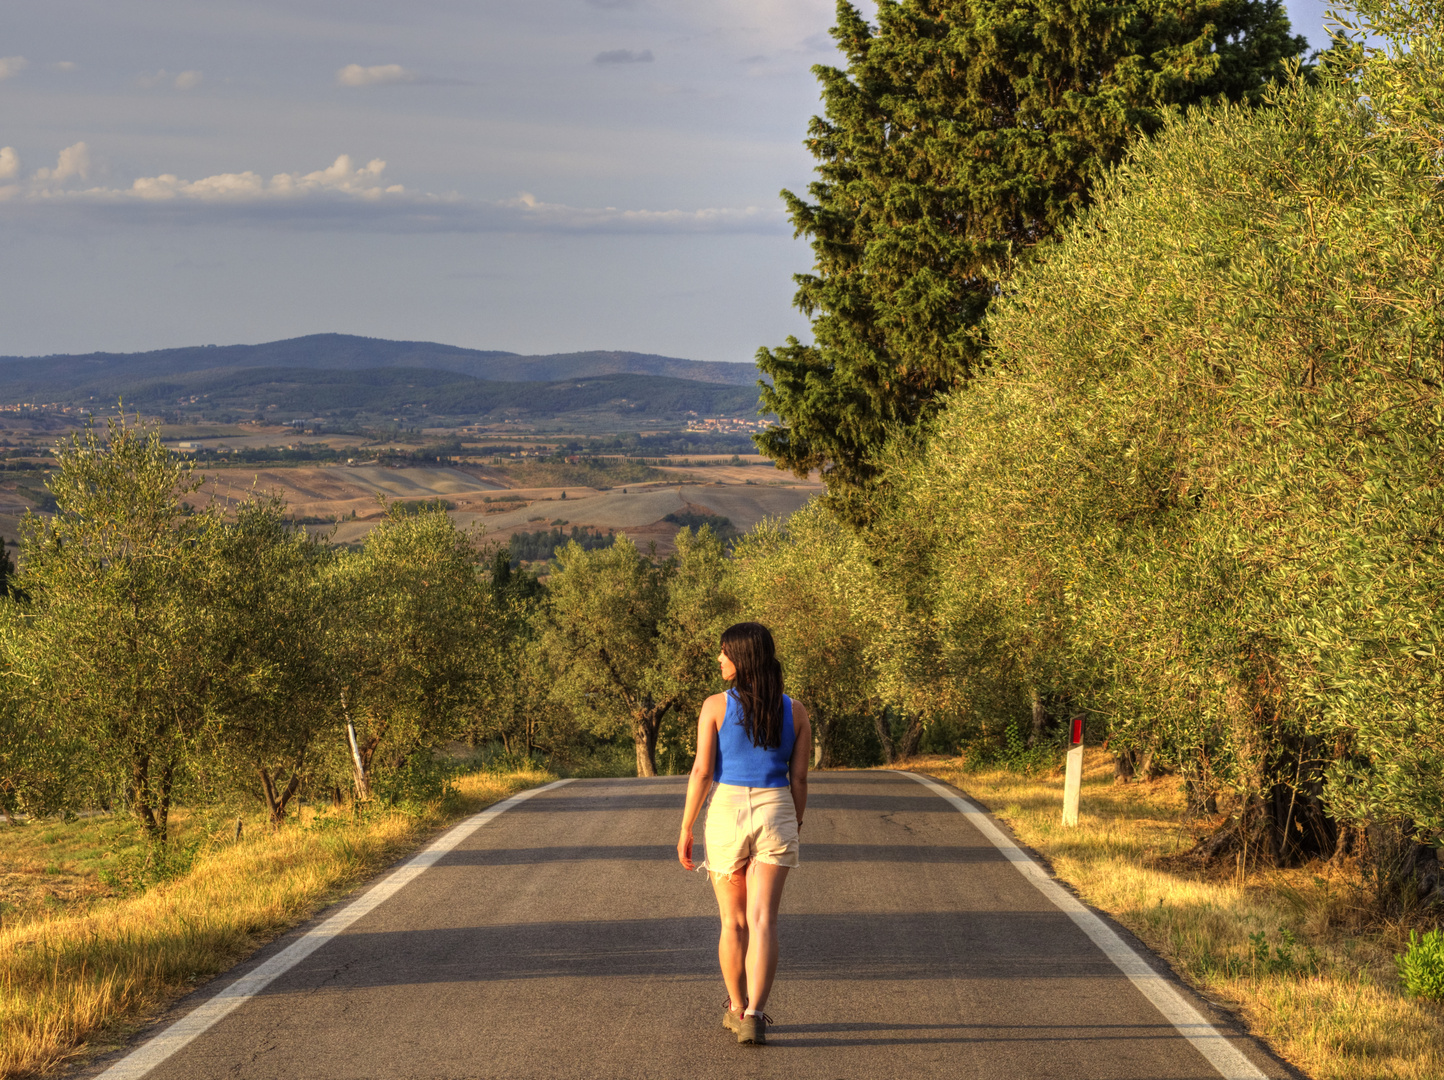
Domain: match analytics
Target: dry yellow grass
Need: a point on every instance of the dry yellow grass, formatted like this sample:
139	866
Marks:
71	980
1326	996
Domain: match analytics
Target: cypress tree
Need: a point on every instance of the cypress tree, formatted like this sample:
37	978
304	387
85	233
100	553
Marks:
963	134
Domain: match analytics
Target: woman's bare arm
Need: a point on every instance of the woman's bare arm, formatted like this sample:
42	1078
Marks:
801	756
699	782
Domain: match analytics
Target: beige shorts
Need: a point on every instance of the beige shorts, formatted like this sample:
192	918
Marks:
749	825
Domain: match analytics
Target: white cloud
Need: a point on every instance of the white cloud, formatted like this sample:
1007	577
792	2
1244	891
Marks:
342	178
188	80
375	75
74	161
11	66
150	79
9	163
345	196
624	56
526	213
65	65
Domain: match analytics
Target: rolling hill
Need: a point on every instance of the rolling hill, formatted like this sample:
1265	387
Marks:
354	379
346	352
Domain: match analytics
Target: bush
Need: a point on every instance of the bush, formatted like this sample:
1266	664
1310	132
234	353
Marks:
1013	753
693	519
543	544
1421	967
420	506
422	778
855	744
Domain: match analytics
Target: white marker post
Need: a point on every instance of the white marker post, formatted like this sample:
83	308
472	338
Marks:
1073	777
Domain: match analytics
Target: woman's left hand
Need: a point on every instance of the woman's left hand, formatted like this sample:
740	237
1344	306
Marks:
684	850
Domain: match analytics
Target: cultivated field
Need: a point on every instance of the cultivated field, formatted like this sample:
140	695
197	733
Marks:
745	495
345	501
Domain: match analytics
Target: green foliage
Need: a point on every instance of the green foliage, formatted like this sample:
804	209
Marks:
811	582
411	636
419	506
693	519
633	642
1012	753
159	652
422	778
1262	960
138	868
544	543
960	136
271	709
120	638
1421	966
1198	492
40	754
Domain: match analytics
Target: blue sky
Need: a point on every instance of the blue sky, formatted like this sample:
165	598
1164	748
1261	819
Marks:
543	176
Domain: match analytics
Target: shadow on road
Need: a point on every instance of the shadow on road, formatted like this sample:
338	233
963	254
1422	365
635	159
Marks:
835	947
866	1034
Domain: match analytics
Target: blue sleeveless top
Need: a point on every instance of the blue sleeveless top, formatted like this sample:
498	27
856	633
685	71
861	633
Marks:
744	765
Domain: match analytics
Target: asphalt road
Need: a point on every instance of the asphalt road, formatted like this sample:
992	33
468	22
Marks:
563	940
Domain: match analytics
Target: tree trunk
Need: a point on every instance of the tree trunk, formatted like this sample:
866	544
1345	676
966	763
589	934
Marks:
360	757
167	777
1284	826
882	720
1123	768
1346	844
912	735
1405	874
1040	717
268	792
1146	766
276	801
1200	799
360	763
139	793
644	735
821	740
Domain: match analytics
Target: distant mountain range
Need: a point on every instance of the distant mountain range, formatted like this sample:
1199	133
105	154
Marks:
342	377
346	352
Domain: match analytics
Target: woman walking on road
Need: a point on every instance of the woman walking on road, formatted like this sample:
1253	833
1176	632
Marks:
753	744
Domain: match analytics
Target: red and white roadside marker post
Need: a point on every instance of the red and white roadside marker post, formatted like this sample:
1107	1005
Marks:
1073	777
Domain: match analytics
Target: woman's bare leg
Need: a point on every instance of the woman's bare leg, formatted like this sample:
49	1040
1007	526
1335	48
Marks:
764	894
732	944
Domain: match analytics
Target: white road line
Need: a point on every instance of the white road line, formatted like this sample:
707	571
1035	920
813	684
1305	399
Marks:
146	1057
1207	1039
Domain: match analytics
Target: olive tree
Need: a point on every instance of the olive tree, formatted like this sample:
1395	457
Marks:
409	633
270	712
1200	487
118	641
808	580
634	641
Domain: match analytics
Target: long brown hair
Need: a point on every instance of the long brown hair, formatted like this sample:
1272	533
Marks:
759	681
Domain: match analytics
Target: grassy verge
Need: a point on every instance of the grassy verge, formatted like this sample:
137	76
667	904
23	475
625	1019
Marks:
1294	952
93	960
